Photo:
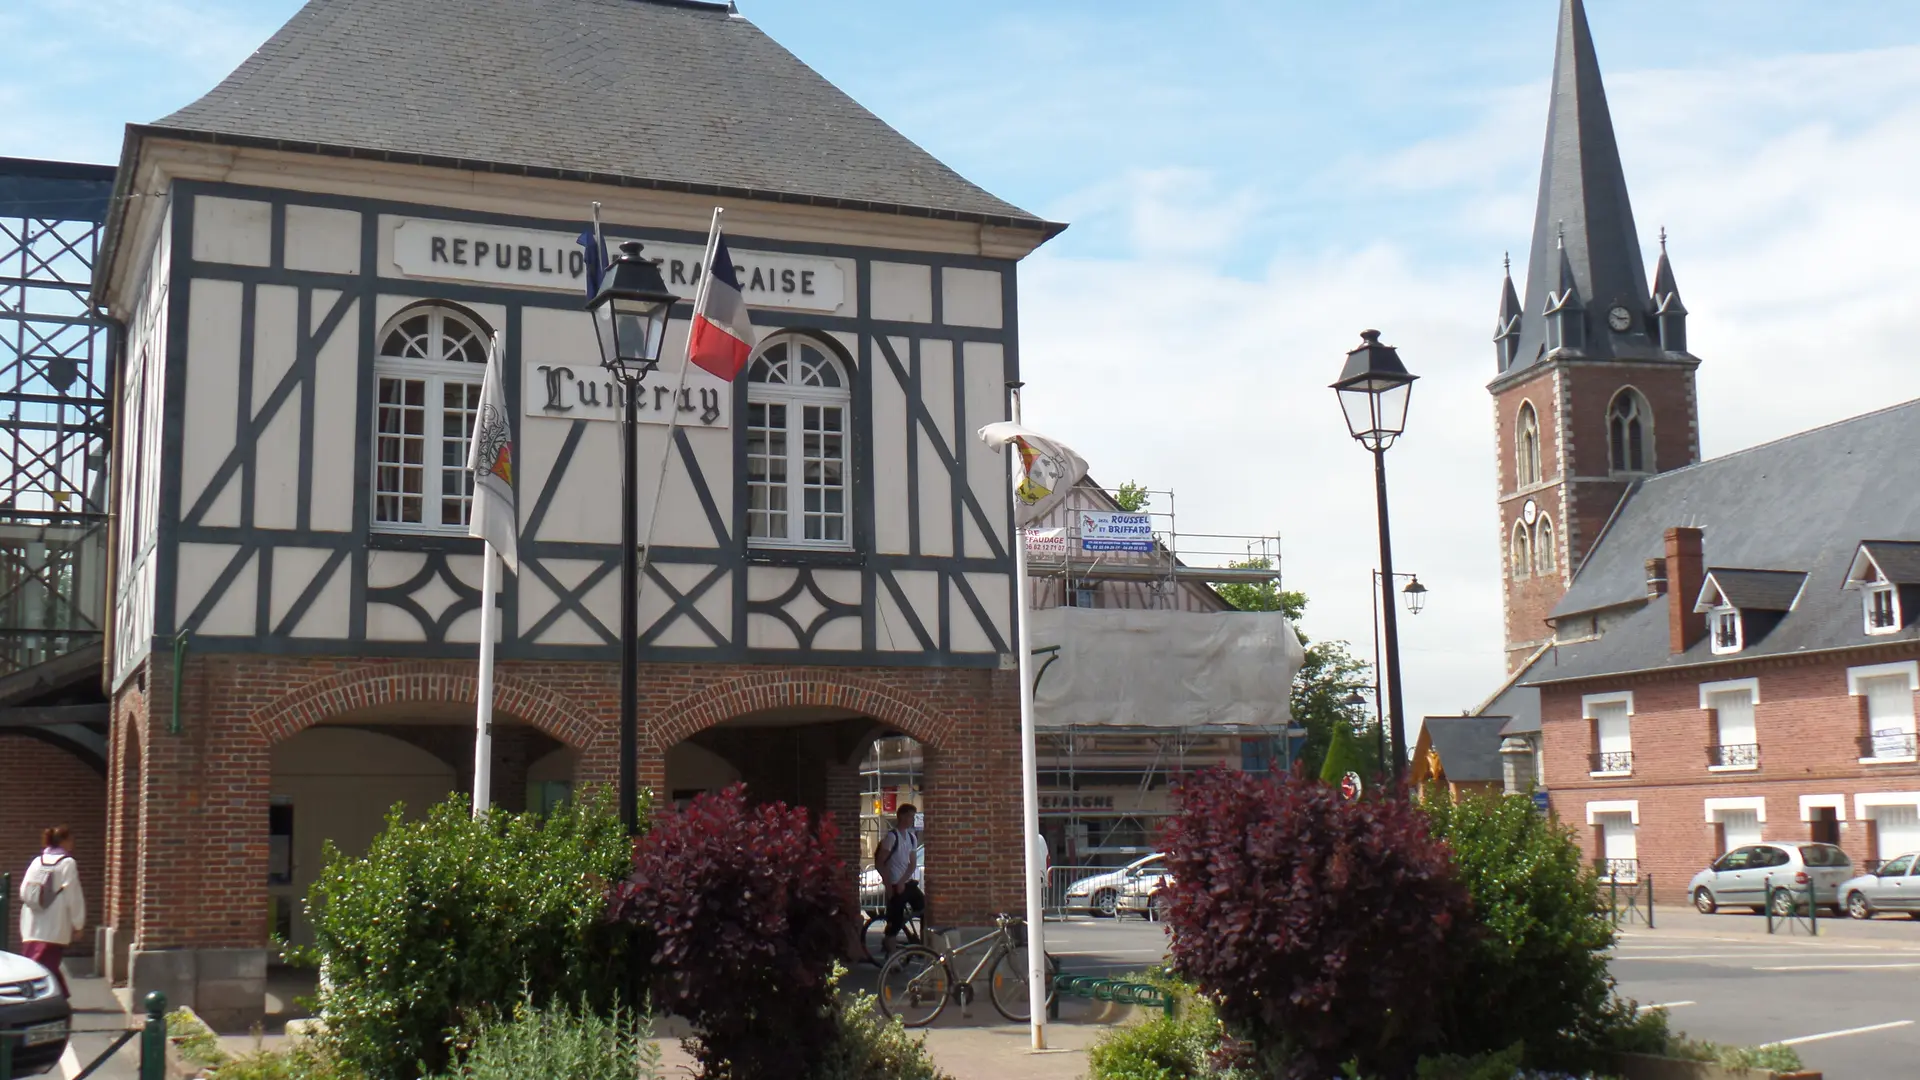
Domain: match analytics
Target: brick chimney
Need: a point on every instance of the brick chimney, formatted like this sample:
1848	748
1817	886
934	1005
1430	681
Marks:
1686	573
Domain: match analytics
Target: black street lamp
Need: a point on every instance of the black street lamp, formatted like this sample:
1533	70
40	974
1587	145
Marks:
630	315
1374	388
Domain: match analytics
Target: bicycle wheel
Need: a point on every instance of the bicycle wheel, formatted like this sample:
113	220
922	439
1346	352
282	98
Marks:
914	986
1007	984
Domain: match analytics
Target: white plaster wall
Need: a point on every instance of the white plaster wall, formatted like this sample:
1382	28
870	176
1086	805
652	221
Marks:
889	479
322	239
137	432
970	297
986	467
235	231
212	396
936	482
341	783
902	292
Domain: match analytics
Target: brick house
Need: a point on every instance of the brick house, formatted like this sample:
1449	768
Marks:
1716	651
303	267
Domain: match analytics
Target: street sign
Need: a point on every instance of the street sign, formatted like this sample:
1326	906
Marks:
1350	786
1540	801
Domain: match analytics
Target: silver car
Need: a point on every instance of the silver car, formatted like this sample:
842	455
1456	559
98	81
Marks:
1758	875
1100	893
1893	887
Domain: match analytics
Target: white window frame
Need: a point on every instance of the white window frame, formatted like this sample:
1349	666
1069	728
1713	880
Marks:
1867	597
796	400
1711	690
1810	803
1756	803
1875	799
1714	618
1856	676
1587	704
436	375
1629	807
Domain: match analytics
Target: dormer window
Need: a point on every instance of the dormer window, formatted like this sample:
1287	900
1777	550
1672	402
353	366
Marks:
1743	606
1882	571
1727	637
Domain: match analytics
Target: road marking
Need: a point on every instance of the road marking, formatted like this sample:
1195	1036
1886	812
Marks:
1109	952
1842	967
1664	1005
1740	956
1838	1034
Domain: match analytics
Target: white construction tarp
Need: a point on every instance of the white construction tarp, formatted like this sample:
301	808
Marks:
1162	669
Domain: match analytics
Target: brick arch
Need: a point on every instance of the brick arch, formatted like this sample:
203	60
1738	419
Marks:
758	692
418	681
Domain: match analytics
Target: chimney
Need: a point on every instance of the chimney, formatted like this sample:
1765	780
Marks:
1656	578
1686	573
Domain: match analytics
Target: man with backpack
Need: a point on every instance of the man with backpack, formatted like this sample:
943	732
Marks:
897	857
53	911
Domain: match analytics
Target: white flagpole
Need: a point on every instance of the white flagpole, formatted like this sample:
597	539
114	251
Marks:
1029	774
673	415
483	726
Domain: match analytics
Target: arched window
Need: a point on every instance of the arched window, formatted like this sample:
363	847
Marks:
1520	552
1526	446
427	393
1630	432
798	399
1543	547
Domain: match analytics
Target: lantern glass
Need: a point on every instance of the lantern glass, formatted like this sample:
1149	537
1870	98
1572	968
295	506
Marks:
1415	594
630	314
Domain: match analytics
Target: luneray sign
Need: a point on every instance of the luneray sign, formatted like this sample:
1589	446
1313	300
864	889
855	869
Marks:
587	392
528	258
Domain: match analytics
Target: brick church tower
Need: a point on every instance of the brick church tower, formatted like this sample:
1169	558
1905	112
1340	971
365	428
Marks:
1595	387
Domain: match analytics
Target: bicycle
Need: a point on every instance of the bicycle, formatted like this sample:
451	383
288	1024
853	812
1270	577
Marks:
873	934
917	982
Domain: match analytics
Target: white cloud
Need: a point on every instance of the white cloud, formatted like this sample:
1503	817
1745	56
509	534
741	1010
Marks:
1786	183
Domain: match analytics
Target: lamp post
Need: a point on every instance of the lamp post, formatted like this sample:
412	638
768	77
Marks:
630	315
1414	595
1373	389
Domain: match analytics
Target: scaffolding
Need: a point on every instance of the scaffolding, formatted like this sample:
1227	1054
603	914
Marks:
55	370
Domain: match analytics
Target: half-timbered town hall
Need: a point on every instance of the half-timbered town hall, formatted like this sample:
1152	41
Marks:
303	270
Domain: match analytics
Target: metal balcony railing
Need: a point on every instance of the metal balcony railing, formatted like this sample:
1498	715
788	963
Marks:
1890	743
1733	754
1618	870
1611	761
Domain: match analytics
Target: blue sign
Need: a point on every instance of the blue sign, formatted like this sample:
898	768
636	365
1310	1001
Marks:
1108	530
1540	800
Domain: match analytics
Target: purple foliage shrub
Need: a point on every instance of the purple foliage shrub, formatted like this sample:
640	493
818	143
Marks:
745	909
1325	931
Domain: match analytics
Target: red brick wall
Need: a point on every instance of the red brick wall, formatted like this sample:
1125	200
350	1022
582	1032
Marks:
1571	400
202	833
42	785
1808	727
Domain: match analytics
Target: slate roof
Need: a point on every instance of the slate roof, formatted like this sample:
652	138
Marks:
1583	202
1757	590
663	93
1899	560
1803	503
1469	746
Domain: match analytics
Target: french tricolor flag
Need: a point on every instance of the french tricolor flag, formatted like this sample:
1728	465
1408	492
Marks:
722	336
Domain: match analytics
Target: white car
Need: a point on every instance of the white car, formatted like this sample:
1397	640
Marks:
34	1014
1145	894
1893	887
1100	893
1771	874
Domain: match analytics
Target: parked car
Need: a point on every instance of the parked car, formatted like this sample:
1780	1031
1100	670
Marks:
1145	893
1100	893
34	1014
1893	887
1742	877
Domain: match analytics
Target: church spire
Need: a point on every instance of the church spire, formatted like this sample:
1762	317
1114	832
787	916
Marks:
1583	229
1506	332
1669	314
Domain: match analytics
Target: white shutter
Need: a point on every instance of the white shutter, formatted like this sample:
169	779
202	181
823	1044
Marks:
1741	826
1734	711
1615	737
1620	835
1889	703
1899	828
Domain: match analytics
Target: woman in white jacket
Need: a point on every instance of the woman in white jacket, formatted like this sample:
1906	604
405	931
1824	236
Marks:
46	931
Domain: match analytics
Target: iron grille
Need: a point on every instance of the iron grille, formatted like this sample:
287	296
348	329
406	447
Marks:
1734	754
1612	761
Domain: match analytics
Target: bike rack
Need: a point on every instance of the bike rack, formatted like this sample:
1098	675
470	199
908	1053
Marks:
1639	905
1807	914
1114	990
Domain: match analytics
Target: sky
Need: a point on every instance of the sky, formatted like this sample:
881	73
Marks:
1248	185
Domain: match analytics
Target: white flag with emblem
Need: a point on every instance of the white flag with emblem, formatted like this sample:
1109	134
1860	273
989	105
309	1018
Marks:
1048	469
494	517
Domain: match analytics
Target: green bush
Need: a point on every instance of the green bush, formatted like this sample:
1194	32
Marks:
1504	1065
868	1046
559	1043
1535	970
299	1061
1772	1057
450	914
1177	1045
